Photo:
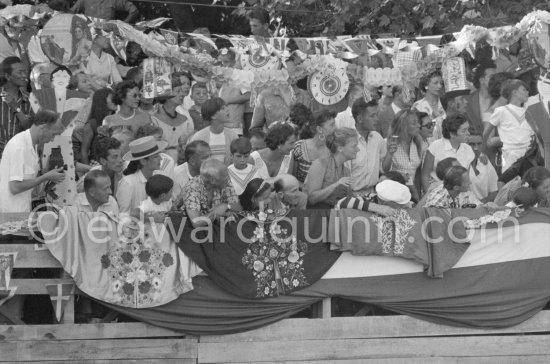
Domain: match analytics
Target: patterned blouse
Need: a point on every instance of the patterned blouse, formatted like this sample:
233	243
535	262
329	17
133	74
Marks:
440	197
195	196
302	159
406	163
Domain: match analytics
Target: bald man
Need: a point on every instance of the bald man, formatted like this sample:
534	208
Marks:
287	192
210	195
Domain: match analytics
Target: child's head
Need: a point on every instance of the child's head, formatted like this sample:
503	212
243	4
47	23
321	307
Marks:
240	151
227	57
159	187
199	93
514	89
525	197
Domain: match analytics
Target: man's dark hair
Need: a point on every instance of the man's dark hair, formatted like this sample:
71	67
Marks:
480	72
191	148
92	176
259	13
360	105
102	146
158	184
240	145
44	116
7	65
211	107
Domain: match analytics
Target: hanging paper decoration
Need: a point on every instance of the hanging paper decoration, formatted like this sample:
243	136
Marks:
329	87
156	78
382	76
257	62
279	43
60	294
539	44
171	37
7	261
66	39
154	23
56	154
118	44
454	76
403	58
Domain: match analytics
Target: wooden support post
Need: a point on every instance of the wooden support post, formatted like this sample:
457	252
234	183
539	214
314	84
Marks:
326	308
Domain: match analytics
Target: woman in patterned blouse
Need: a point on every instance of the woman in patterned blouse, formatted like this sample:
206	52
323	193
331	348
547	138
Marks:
404	148
454	192
307	150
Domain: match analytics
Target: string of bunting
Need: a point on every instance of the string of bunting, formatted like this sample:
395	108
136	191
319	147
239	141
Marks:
365	61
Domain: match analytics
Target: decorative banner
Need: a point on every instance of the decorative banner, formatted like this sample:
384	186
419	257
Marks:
279	44
539	44
7	261
329	87
259	62
156	78
404	58
382	76
454	75
6	294
171	37
59	153
118	44
313	45
155	23
60	294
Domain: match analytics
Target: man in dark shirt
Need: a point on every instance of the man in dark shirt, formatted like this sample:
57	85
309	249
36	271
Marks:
106	9
15	106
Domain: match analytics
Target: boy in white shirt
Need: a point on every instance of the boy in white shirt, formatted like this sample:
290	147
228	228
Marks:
483	176
159	198
241	172
514	130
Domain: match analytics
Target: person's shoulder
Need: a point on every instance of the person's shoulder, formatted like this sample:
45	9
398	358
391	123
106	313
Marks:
375	136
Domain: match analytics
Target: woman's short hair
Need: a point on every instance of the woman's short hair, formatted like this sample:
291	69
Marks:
451	124
120	90
211	107
453	177
278	133
147	130
319	118
425	80
340	138
509	86
535	176
301	116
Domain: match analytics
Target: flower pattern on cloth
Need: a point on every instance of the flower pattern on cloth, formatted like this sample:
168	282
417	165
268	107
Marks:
275	258
136	268
491	218
394	232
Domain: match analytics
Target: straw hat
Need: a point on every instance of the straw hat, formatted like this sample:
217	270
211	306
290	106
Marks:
143	148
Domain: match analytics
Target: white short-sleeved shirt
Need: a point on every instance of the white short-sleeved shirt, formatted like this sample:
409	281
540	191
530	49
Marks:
485	182
131	191
19	163
82	204
241	177
442	148
217	146
181	177
513	129
148	205
345	119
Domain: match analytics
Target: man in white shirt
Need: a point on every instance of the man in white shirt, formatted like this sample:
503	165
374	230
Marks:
20	164
97	195
365	168
482	175
195	153
345	118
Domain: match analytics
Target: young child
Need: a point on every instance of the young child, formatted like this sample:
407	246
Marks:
241	172
159	201
199	94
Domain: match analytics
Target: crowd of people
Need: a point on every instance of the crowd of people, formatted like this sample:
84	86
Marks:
220	149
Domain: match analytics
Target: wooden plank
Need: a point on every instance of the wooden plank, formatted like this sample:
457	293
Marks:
36	286
370	327
126	330
27	257
134	361
471	346
533	359
98	349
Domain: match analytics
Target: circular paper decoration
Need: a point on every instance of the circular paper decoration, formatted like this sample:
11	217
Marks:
329	88
539	44
66	39
256	62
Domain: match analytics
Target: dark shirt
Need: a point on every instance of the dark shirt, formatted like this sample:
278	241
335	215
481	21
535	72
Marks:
9	124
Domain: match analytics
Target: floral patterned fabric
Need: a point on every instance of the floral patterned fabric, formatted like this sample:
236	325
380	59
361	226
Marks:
194	196
440	197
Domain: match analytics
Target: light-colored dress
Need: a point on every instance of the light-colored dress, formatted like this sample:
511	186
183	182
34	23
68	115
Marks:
262	167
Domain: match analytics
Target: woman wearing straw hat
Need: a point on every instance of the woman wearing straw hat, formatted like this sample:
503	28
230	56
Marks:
144	160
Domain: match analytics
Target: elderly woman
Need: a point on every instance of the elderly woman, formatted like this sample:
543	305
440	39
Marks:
276	159
177	129
404	148
454	192
453	144
307	150
432	87
257	195
128	118
329	179
210	195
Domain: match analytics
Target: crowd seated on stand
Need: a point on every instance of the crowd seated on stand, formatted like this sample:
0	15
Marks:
202	158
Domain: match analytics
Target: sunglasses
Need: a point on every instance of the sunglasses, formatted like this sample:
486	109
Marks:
429	126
